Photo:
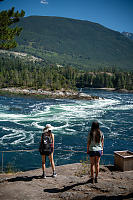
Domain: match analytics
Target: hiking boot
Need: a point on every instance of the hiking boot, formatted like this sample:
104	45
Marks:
44	175
54	174
91	180
96	181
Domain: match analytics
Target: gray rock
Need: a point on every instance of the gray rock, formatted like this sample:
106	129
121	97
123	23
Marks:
67	185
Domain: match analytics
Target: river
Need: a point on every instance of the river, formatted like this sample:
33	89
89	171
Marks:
23	118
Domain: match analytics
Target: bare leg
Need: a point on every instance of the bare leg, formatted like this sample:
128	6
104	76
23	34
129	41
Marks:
97	161
92	161
52	161
43	162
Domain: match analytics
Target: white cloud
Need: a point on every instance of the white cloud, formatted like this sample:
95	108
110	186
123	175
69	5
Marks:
44	2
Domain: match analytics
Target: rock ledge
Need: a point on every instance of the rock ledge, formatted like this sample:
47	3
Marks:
71	183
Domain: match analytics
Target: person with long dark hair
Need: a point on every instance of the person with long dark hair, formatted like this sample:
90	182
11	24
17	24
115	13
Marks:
95	149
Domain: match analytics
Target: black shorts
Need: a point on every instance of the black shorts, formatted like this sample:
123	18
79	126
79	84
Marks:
95	153
47	153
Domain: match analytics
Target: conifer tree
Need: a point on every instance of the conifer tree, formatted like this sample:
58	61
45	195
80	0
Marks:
7	32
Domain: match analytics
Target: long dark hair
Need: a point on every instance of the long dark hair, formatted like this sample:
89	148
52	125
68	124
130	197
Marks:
95	129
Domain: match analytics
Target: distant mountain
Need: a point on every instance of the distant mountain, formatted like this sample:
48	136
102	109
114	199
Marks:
74	42
128	35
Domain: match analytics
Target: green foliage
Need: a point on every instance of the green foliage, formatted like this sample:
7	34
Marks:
10	168
8	33
75	43
20	74
44	75
84	168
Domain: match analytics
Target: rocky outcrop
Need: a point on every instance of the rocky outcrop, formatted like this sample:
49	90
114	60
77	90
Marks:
71	183
51	94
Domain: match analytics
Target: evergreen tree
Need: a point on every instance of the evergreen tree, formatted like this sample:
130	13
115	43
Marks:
7	32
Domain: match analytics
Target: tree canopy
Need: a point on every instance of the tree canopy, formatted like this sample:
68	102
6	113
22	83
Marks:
8	32
27	74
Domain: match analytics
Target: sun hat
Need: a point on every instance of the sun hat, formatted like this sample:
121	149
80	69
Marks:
49	127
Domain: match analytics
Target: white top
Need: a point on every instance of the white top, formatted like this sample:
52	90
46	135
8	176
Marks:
95	146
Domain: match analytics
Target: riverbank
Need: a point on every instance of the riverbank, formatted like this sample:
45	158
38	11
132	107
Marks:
49	94
115	90
61	94
71	183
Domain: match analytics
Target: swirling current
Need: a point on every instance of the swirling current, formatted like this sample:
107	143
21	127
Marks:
23	118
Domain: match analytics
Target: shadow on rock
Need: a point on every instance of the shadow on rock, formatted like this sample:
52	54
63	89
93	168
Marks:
119	197
66	188
112	168
23	178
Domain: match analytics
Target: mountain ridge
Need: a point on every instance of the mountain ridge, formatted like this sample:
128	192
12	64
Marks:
128	35
74	42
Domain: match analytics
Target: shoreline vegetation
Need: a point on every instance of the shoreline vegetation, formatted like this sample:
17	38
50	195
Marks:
62	94
18	73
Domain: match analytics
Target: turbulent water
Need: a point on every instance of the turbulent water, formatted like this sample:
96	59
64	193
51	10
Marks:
22	120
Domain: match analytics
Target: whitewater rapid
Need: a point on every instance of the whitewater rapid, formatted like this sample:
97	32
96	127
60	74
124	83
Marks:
22	121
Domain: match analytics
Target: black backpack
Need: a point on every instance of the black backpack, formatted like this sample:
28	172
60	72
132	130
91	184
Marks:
45	146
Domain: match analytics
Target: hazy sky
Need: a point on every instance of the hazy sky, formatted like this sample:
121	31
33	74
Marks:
113	14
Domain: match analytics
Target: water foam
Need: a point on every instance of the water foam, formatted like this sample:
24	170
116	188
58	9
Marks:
67	118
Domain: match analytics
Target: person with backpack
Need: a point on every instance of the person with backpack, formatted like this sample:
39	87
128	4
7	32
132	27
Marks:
47	149
95	149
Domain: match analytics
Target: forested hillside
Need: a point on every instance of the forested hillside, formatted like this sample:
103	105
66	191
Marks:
19	73
58	53
78	43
